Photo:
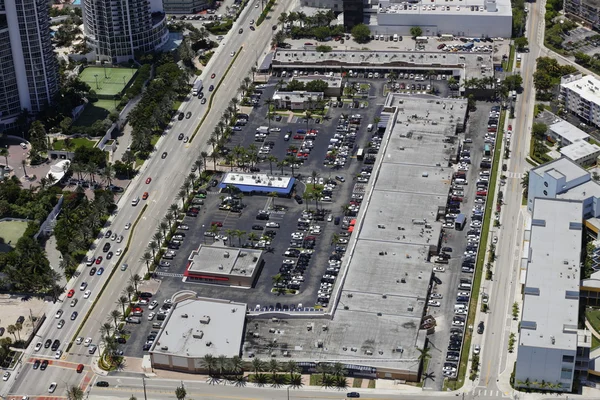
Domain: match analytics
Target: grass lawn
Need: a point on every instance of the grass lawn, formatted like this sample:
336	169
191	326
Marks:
176	105
310	188
10	232
110	81
77	142
595	342
95	112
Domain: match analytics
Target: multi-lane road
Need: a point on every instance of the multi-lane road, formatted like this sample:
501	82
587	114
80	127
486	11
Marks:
167	175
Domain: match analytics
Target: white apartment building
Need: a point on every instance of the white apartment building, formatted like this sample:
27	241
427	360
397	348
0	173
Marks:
28	66
581	96
548	338
118	29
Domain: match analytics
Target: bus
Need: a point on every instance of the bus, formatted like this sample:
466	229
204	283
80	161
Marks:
360	154
421	39
460	221
486	150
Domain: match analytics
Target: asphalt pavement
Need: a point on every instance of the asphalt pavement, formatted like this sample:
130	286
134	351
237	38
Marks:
167	175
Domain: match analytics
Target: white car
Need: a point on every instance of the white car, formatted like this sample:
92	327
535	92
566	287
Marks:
437	296
83	286
439	269
118	252
127	226
232	53
458	323
153	305
38	346
495	239
272	224
58	354
87	342
329	218
151	316
476	349
87	294
120	239
23	146
79	340
275	130
58	314
433	303
6	376
52	387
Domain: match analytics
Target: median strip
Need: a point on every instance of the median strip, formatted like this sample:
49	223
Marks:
87	315
214	92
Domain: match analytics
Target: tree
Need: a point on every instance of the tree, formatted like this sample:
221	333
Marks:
38	138
122	301
317	85
4	153
416	31
11	330
115	315
135	280
209	363
295	85
180	393
296	381
538	130
75	393
424	354
521	43
146	258
361	33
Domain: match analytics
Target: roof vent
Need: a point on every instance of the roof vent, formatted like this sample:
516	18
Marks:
205	319
184	315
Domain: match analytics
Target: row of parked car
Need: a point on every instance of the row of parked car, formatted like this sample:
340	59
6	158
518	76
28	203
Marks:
341	145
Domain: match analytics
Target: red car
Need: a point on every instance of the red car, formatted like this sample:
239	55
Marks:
216	223
99	260
145	196
510	127
148	180
482	193
212	76
71	293
137	309
298	137
308	44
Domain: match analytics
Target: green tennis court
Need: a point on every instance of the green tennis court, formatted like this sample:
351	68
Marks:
107	81
10	233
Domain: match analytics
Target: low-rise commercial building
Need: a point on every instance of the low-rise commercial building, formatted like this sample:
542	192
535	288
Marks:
219	265
565	133
483	18
185	6
378	310
582	153
195	328
581	96
298	100
258	183
548	338
335	85
461	65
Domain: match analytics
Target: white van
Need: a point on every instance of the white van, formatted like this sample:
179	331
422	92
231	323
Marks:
460	181
370	127
465	286
262	129
135	201
376	37
459	307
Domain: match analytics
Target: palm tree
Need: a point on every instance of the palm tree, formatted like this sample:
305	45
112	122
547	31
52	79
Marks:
12	330
236	364
296	381
292	367
307	196
338	369
277	380
158	237
314	176
75	393
130	291
327	381
424	354
233	103
174	209
123	302
209	363
240	235
164	227
146	258
115	315
109	173
335	239
252	237
323	369
260	380
258	365
199	163
204	156
341	383
135	280
180	393
182	195
271	159
277	278
273	366
105	330
273	195
153	246
240	381
170	218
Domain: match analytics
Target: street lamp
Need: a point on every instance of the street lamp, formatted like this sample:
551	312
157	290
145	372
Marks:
96	76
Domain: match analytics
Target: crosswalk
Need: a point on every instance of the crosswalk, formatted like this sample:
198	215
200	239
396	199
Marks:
515	175
484	392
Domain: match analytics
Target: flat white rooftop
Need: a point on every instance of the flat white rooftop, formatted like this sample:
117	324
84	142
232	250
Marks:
474	8
562	167
261	180
579	150
588	88
198	327
551	293
568	131
224	260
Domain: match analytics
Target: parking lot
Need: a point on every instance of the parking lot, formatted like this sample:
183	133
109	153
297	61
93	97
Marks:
452	292
302	273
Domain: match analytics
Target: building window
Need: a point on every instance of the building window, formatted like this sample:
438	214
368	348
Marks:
566	373
545	193
568	359
546	184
